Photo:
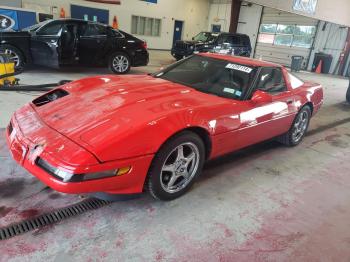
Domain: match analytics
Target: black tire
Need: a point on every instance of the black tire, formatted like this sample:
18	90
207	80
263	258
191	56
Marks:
157	177
16	56
119	63
348	93
178	58
289	138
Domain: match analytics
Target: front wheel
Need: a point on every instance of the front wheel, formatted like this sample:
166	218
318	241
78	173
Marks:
120	63
179	57
176	166
15	56
299	128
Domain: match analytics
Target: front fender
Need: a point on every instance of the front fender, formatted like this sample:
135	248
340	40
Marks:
140	140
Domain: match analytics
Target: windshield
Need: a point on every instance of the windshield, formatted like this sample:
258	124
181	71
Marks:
33	28
211	76
205	37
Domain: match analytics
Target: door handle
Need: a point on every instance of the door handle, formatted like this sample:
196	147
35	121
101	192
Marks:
290	101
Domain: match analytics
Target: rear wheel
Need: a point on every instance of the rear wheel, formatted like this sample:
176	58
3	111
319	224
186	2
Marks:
299	128
120	63
15	56
176	166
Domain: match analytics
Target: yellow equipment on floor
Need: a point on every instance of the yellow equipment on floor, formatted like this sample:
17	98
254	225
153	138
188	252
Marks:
7	71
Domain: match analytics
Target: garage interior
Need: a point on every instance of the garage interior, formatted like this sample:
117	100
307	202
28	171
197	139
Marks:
266	202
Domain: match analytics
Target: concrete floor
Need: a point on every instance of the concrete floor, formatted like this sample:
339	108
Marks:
264	203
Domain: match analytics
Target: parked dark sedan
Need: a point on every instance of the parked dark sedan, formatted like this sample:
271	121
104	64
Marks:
55	43
225	43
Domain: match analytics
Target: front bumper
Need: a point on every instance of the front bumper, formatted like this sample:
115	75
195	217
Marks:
177	53
141	58
25	152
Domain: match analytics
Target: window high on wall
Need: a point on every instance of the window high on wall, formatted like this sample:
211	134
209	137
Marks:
287	35
145	26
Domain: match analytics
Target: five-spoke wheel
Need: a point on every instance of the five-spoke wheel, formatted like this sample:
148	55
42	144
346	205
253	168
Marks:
179	167
176	165
298	130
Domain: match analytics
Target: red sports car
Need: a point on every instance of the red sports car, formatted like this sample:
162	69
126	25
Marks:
125	134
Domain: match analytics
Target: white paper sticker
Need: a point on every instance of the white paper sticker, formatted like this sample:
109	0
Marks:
240	68
229	90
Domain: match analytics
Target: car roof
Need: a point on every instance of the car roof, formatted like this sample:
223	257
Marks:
224	33
77	20
241	60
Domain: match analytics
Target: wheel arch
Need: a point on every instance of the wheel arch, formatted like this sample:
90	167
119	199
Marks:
311	105
199	131
24	54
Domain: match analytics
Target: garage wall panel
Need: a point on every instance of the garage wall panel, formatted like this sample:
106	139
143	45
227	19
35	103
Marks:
326	10
330	39
276	16
277	53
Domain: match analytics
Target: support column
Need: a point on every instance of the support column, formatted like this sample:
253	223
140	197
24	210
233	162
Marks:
348	93
235	9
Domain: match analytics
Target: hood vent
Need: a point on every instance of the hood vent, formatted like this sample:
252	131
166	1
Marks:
49	97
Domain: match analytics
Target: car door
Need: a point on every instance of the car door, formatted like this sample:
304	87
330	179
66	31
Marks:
45	44
264	120
68	43
265	111
92	43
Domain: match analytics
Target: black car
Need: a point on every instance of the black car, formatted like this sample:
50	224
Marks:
56	43
227	43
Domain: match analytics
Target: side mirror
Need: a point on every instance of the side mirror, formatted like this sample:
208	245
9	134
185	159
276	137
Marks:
261	97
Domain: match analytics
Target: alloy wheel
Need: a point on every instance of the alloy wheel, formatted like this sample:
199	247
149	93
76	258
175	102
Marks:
300	126
120	63
180	167
13	56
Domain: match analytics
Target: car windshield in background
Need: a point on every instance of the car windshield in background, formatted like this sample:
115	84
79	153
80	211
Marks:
212	76
205	37
35	27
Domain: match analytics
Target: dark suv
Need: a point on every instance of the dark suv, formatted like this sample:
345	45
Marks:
55	43
226	43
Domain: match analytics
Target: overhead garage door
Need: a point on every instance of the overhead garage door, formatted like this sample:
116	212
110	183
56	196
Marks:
282	35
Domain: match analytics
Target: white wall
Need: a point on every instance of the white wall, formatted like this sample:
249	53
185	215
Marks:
12	3
220	14
248	22
336	11
194	13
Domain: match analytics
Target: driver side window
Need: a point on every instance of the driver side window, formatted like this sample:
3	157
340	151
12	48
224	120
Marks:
52	28
271	80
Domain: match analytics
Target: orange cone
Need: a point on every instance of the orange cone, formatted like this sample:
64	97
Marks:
115	23
62	13
319	67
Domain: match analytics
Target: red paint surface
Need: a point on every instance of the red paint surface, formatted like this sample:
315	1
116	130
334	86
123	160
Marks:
108	122
29	213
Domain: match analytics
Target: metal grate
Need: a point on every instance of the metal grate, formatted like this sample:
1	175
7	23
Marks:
51	218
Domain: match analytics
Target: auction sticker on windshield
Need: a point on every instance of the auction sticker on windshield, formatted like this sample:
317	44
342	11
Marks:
239	68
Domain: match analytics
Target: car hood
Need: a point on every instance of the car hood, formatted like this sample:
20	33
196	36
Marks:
192	43
95	106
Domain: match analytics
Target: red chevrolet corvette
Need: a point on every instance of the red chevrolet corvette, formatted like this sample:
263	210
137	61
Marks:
124	134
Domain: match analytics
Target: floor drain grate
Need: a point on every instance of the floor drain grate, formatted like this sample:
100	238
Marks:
51	218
